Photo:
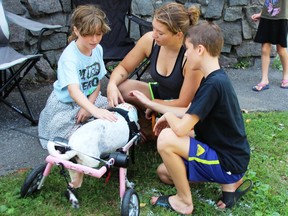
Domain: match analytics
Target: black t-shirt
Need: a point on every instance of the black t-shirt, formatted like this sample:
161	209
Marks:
221	123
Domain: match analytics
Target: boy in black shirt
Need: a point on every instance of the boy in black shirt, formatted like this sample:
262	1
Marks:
220	151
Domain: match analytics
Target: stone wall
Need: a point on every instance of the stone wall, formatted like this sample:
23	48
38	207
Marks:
50	12
233	16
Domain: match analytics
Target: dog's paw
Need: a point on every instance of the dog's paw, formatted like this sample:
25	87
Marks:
70	194
130	184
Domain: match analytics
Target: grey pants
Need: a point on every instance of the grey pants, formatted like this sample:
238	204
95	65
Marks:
57	119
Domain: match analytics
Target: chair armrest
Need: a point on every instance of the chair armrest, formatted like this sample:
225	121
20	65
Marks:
139	21
32	26
29	24
144	26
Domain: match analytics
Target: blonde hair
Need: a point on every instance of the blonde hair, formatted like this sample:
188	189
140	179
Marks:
176	17
89	20
207	34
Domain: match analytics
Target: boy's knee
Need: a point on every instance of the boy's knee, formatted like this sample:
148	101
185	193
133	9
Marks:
164	138
166	134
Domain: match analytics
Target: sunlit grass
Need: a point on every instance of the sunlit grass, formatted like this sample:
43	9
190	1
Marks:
268	137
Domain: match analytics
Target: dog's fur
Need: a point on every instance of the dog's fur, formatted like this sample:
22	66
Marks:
94	138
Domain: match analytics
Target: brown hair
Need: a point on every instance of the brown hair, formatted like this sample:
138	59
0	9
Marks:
89	20
207	34
176	17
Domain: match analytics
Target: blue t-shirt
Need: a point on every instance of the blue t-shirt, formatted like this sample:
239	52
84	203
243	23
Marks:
77	68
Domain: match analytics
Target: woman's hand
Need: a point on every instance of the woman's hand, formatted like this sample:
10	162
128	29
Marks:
148	113
113	95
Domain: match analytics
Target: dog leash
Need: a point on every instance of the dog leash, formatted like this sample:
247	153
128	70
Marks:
28	133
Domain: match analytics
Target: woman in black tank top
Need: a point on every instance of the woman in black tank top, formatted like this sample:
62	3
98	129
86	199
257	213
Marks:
167	87
176	83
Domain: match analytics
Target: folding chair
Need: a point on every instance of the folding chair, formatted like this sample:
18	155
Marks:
117	43
13	65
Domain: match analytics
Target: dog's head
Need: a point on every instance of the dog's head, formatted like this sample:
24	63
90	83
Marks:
132	112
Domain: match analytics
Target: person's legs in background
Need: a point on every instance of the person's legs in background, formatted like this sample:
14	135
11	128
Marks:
282	52
265	60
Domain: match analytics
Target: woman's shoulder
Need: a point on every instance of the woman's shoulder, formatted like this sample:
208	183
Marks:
146	38
145	43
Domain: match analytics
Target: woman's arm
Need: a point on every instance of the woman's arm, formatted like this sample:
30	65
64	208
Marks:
192	80
131	61
158	107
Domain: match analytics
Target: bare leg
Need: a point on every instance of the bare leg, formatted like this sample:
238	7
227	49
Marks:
265	58
172	148
145	124
265	61
282	52
76	179
130	85
165	177
163	174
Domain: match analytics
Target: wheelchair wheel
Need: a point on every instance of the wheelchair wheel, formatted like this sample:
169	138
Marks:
130	203
32	181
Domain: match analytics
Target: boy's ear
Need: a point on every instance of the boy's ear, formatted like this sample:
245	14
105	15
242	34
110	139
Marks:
200	49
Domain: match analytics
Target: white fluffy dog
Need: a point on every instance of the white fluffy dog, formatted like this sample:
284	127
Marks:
94	138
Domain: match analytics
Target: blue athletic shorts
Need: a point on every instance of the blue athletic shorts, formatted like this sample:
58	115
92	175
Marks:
203	165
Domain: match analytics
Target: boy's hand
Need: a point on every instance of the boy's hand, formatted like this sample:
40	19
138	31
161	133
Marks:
140	96
160	125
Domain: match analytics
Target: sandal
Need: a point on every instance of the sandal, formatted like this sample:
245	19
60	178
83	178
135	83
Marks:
284	84
163	201
260	87
231	198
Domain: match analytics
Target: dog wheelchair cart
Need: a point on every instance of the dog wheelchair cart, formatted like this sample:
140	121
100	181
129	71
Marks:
130	204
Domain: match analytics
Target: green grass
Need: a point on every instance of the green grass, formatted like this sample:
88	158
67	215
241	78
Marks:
243	63
268	168
276	63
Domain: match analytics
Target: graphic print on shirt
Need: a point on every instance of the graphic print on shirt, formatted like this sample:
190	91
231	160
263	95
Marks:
272	10
89	77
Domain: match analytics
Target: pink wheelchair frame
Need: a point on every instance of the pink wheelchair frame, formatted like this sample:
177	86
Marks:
130	204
